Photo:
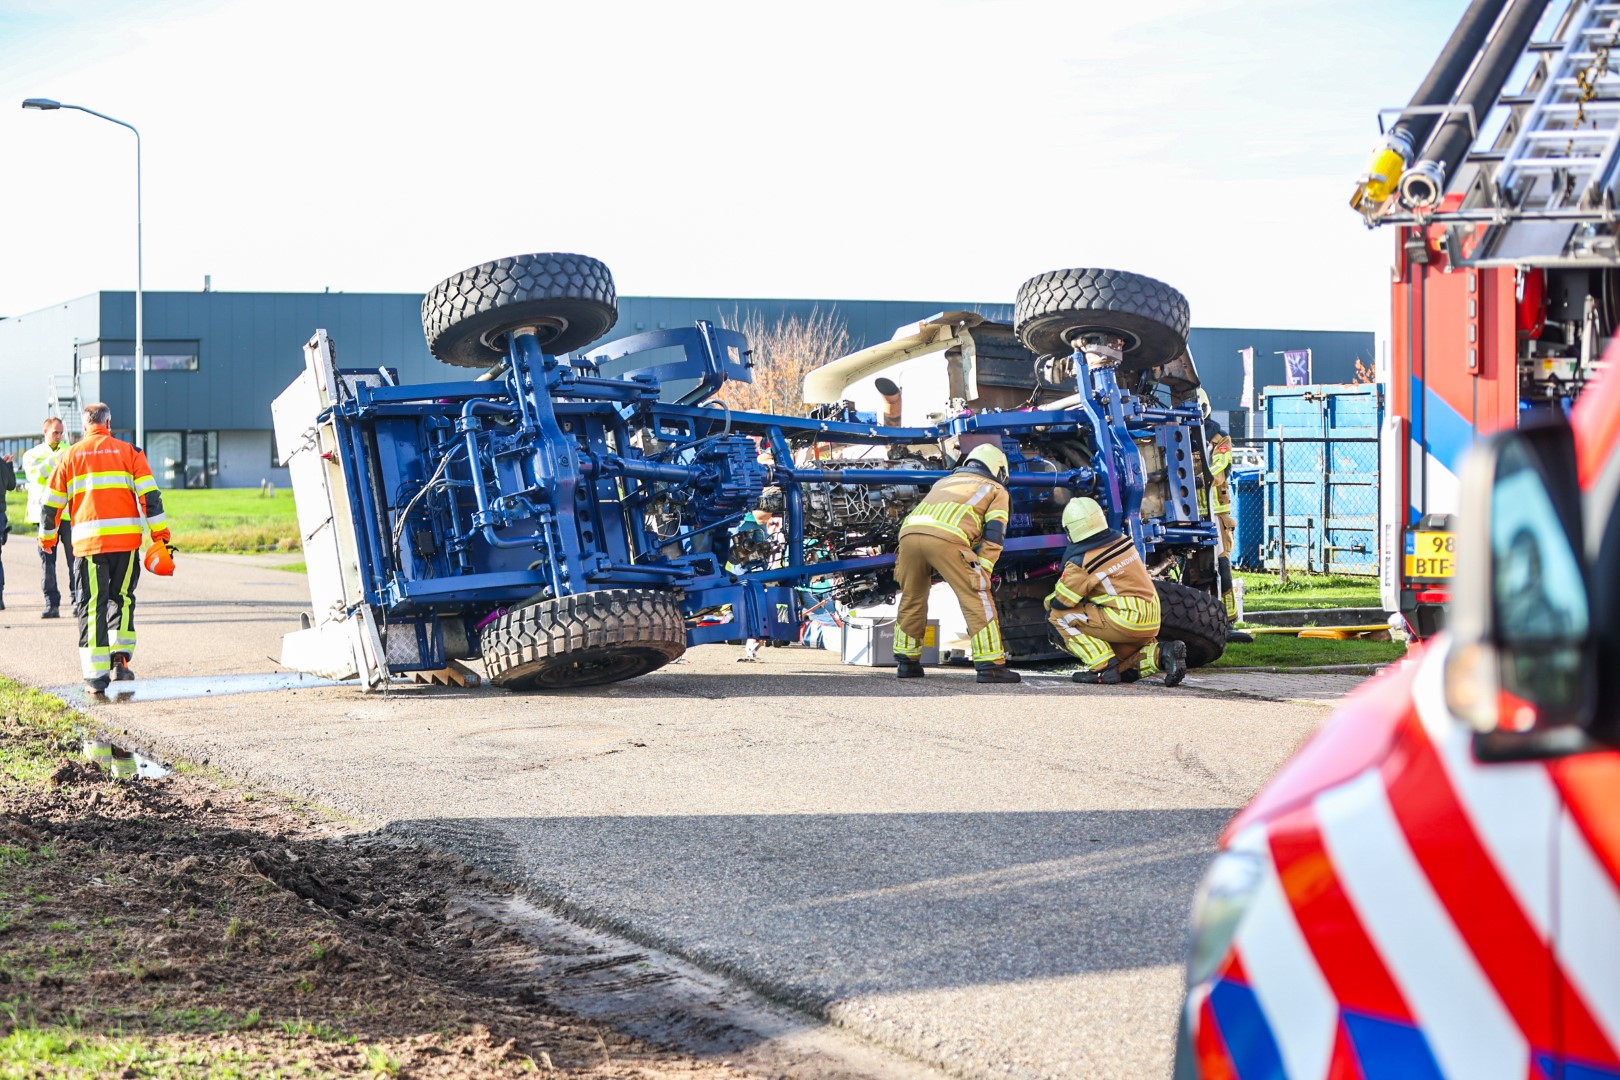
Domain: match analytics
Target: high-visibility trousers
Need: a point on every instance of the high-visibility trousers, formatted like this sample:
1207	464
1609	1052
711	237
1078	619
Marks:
1228	526
1094	636
106	609
919	559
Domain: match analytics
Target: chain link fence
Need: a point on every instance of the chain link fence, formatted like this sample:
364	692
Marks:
1307	504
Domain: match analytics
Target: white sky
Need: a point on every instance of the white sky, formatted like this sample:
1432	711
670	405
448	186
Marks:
874	150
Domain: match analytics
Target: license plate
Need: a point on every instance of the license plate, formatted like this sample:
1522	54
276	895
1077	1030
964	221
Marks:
1430	554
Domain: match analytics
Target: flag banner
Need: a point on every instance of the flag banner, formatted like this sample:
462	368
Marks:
1248	377
1297	367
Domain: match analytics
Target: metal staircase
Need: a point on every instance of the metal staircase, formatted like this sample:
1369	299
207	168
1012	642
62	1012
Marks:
62	400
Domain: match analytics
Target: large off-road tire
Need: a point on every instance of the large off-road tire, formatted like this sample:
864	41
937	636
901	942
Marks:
1151	316
1195	617
569	298
584	640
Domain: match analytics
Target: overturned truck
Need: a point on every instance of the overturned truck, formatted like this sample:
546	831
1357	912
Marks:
570	516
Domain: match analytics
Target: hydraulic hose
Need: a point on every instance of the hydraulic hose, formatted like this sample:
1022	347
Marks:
1410	131
1424	184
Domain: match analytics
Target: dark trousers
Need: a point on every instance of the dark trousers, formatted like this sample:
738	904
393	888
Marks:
106	609
75	570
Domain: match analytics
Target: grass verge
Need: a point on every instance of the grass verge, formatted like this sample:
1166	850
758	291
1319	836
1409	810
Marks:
1266	592
175	927
1283	650
228	520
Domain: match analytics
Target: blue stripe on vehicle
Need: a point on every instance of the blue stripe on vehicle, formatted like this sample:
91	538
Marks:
1575	1070
1390	1049
1444	432
1246	1031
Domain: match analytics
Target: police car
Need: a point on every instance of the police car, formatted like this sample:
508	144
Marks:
1431	886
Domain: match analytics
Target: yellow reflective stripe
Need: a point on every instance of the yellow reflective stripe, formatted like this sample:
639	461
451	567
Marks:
1092	652
1067	593
986	563
1150	660
1220	460
145	485
996	515
919	519
986	644
906	646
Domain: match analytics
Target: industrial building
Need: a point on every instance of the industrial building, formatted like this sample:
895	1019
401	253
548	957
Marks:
215	360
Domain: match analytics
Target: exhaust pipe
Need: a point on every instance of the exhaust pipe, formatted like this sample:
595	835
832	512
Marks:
1424	185
1407	135
891	401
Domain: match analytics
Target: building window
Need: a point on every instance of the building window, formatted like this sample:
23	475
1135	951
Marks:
161	355
154	362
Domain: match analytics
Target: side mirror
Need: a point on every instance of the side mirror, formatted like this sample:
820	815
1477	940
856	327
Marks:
1522	669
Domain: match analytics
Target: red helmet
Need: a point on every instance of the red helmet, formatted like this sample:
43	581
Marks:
159	559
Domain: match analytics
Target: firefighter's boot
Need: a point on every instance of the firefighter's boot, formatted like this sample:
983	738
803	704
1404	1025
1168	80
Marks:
906	668
1107	675
996	673
1173	661
97	685
120	668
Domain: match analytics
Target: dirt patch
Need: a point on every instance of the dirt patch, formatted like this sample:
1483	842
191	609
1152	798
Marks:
186	926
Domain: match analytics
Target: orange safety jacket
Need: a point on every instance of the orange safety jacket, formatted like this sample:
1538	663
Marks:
108	488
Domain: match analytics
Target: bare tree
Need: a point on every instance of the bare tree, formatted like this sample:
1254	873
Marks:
784	353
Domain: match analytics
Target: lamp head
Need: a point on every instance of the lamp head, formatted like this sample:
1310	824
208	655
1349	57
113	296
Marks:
41	103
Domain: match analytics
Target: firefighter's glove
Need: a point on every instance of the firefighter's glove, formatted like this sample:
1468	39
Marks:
48	546
161	535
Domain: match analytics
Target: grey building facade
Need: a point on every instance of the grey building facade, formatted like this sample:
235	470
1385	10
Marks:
215	360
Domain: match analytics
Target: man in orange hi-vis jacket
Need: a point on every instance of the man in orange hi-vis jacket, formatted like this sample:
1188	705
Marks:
110	494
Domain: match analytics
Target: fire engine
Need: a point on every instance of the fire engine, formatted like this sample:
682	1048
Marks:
1431	886
1501	195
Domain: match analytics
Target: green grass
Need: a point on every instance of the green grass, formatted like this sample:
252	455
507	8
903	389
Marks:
219	519
56	1050
1264	592
293	568
43	729
1285	650
232	520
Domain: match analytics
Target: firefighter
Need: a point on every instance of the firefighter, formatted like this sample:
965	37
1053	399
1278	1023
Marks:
1218	471
109	491
956	532
1105	610
38	463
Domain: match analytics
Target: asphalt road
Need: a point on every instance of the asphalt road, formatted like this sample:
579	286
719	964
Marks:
993	880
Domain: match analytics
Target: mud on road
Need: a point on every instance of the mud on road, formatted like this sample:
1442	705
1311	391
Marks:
186	925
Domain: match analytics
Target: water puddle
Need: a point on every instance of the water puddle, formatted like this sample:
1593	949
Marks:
195	687
123	764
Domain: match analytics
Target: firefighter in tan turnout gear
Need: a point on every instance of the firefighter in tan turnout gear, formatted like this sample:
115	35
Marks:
956	532
1105	610
1218	470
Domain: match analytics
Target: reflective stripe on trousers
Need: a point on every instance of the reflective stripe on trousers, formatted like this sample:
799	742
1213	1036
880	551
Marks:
107	609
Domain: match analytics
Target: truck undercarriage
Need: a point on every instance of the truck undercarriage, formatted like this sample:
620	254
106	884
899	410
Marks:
572	528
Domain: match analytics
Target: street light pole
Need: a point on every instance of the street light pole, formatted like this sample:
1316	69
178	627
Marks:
46	104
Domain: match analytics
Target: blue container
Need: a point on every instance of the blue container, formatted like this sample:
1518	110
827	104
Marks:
1321	480
1249	507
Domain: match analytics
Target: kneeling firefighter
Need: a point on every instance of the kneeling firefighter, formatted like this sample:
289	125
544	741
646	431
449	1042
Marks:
1105	610
957	532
